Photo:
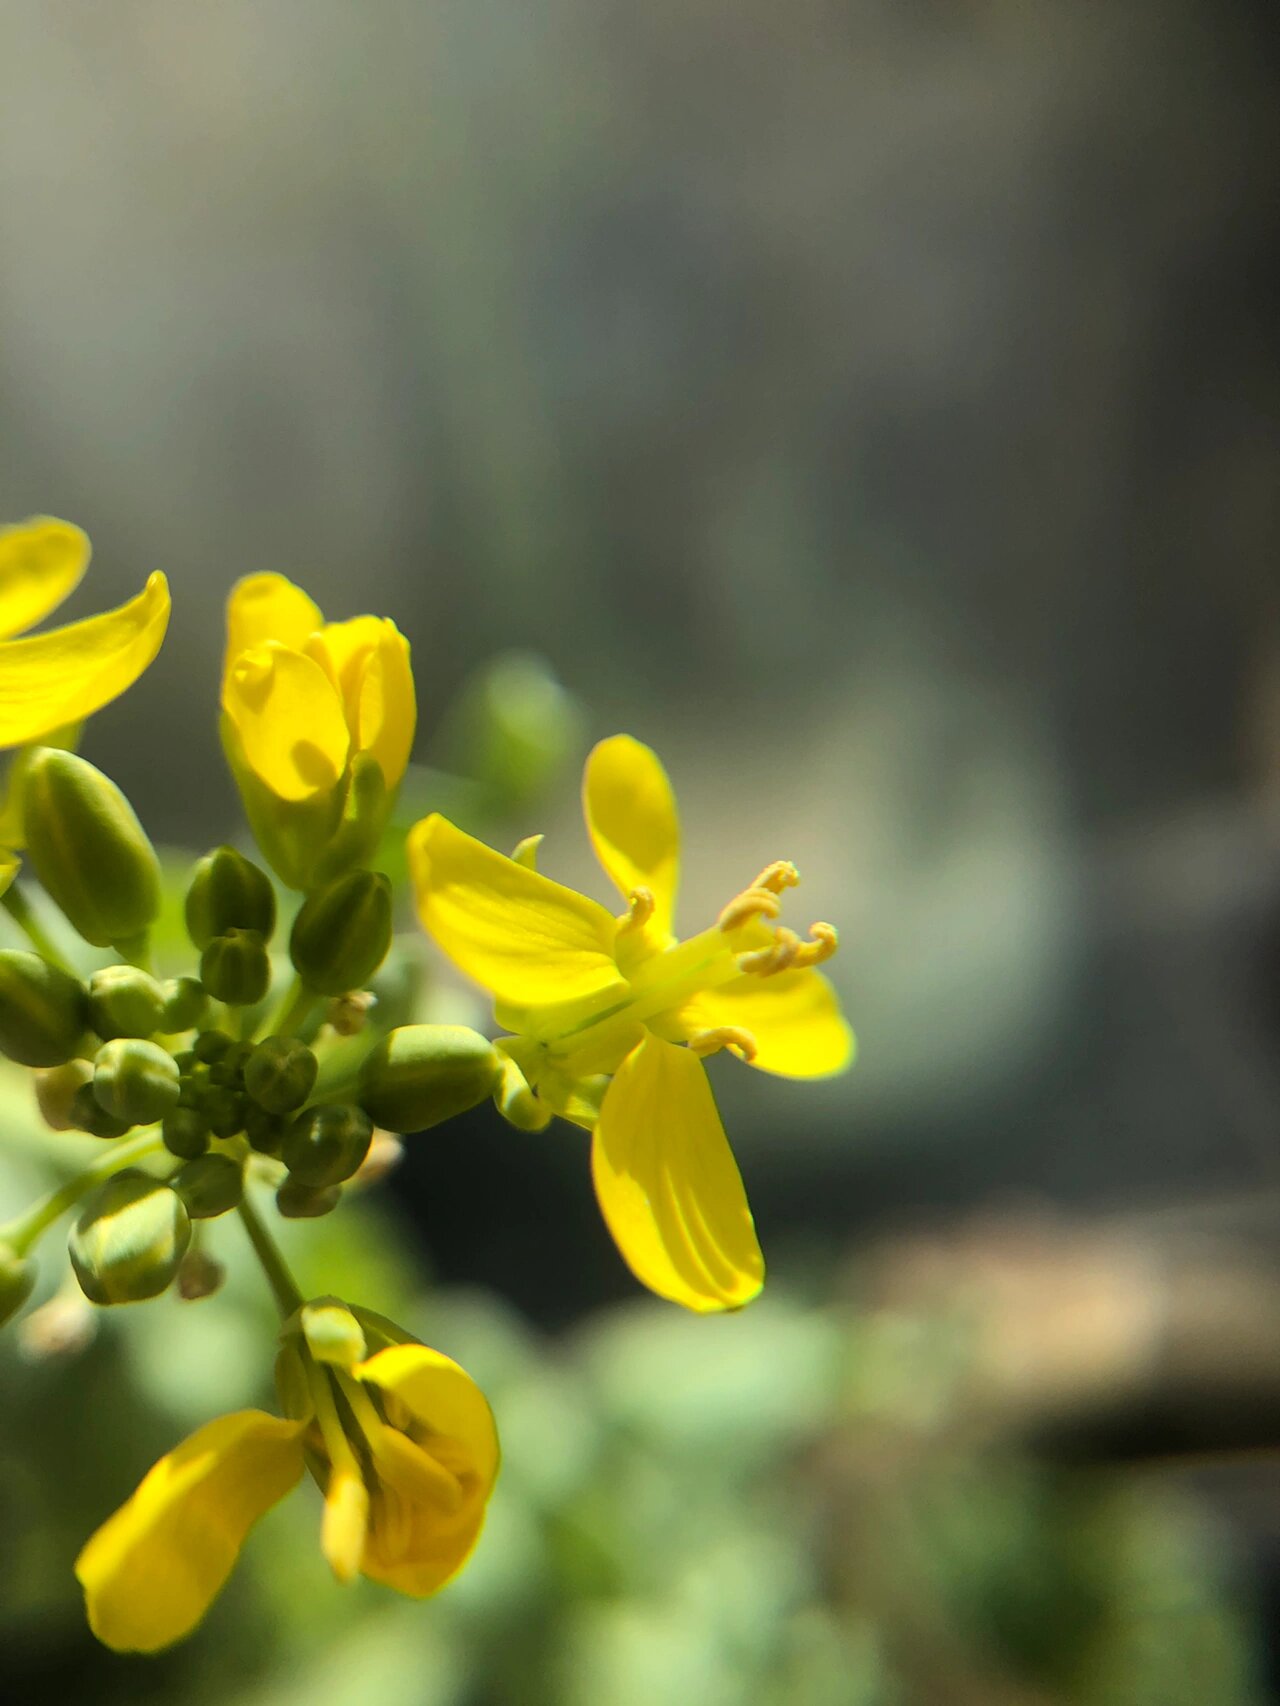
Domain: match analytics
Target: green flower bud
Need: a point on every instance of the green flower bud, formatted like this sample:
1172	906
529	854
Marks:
325	1145
125	1002
209	1185
17	1281
135	1080
185	1003
43	1011
229	892
210	1046
88	848
420	1075
88	1114
265	1131
235	968
296	1201
224	1109
280	1074
185	1132
342	933
129	1239
56	1089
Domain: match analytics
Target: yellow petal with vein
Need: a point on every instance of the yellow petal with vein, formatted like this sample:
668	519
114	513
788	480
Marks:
50	680
794	1017
290	721
153	1569
41	561
630	810
267	607
668	1185
530	942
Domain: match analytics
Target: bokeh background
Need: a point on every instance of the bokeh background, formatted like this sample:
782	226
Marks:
873	406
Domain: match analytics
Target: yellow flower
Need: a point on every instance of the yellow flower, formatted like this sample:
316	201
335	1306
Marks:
402	1443
319	722
49	681
612	1016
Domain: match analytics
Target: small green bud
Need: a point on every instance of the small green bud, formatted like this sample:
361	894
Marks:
56	1089
185	1132
342	932
296	1201
88	848
228	892
210	1046
88	1114
125	1002
185	1003
17	1281
224	1109
325	1145
265	1131
43	1011
420	1075
135	1080
129	1239
235	968
209	1185
280	1074
199	1275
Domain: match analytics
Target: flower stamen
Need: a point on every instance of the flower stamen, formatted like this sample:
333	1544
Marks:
641	907
742	1042
760	898
787	952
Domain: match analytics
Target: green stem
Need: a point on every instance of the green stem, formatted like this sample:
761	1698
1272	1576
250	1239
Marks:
284	1288
18	907
292	1011
20	1234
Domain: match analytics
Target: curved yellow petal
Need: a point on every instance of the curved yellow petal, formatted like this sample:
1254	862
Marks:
41	561
434	1477
343	648
386	709
153	1569
50	680
630	810
668	1186
531	942
267	607
794	1017
290	721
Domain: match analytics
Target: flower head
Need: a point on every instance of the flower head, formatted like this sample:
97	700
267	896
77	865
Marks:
319	722
612	1016
53	680
401	1442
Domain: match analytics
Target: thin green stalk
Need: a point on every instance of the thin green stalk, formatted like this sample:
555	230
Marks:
292	1011
19	909
284	1288
21	1233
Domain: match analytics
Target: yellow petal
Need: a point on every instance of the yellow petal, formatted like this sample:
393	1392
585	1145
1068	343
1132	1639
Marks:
794	1017
385	709
153	1569
531	942
631	817
41	561
262	608
434	1487
668	1186
61	677
289	718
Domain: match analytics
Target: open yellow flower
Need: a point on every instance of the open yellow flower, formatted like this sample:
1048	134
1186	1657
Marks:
319	722
50	681
402	1443
611	1017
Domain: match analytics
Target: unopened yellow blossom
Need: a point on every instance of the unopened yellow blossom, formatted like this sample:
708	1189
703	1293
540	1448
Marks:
402	1444
611	1017
53	680
319	722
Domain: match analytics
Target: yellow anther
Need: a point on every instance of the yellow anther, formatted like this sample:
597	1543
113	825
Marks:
751	903
725	1036
781	874
640	909
787	951
345	1522
823	941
